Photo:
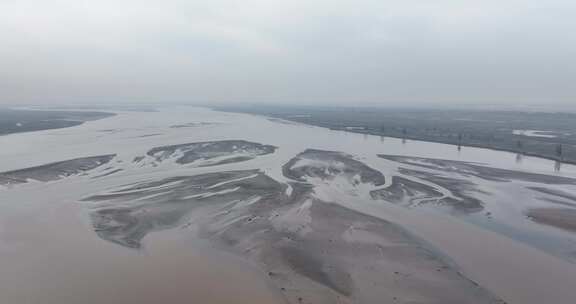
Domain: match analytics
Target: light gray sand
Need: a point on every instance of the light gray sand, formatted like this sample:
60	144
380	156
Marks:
54	171
557	194
409	192
478	170
493	198
329	164
462	199
133	211
495	261
313	251
223	152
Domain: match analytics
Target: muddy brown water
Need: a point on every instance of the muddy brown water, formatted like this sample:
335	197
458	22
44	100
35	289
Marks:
50	254
54	258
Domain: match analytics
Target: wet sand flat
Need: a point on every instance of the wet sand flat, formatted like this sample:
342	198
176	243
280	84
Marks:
229	214
494	198
557	217
212	153
54	171
312	251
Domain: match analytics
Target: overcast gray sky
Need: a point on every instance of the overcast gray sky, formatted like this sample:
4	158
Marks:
282	51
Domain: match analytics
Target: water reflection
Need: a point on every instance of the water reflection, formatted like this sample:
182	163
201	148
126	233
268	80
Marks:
519	158
557	166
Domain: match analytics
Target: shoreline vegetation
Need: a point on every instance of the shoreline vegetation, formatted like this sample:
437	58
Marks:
306	242
20	121
321	221
550	136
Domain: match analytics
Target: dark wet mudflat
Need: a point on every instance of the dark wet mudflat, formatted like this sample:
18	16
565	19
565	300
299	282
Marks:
212	153
328	165
477	170
409	192
557	217
158	205
230	214
468	190
461	198
54	171
313	251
